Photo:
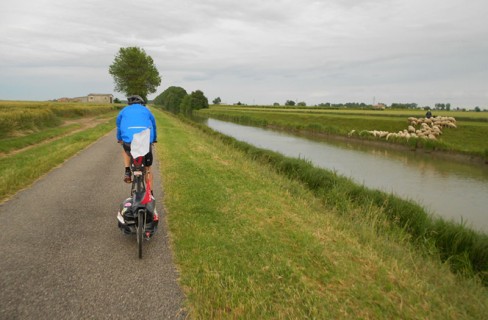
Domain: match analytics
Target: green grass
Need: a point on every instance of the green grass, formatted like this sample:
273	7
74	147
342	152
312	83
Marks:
39	126
251	243
19	170
18	116
10	144
468	138
453	242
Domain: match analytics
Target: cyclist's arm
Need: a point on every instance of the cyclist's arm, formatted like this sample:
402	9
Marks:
119	133
153	122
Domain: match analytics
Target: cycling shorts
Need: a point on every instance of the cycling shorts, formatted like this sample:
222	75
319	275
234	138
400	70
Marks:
148	158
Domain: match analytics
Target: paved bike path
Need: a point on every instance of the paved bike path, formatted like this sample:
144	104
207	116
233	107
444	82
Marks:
62	255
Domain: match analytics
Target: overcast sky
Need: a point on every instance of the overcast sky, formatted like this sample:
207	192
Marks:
255	52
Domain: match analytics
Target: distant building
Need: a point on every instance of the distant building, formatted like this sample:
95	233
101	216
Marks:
92	97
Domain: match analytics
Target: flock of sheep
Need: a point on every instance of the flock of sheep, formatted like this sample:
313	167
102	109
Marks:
425	128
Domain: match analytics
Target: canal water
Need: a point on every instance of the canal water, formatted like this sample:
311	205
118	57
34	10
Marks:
453	190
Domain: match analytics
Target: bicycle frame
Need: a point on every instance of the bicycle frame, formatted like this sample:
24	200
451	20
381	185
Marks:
138	191
138	177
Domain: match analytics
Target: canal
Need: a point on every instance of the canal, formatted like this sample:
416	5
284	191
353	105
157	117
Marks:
451	189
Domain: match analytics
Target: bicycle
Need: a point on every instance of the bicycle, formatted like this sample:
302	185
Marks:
138	213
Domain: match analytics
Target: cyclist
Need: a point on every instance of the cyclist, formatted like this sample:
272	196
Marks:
134	118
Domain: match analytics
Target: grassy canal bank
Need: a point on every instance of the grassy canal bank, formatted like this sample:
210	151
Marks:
251	241
469	138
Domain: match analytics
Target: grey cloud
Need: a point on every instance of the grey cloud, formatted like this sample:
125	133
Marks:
340	49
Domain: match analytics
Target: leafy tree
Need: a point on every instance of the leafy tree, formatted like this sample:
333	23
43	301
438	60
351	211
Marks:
117	100
185	106
198	100
134	72
276	104
194	101
217	100
441	106
171	98
477	109
289	103
302	104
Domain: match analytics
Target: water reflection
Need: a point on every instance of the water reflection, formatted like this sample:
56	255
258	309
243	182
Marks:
451	189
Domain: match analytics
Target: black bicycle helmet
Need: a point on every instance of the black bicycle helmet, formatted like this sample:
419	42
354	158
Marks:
135	99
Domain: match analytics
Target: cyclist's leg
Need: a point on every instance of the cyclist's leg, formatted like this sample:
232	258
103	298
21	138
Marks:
148	160
149	176
126	157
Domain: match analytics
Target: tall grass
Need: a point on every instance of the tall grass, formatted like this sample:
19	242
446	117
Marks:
20	170
8	145
465	250
21	116
250	243
27	119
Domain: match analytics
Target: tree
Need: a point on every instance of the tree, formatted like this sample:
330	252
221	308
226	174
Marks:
217	100
171	98
185	106
440	106
198	100
194	101
134	72
289	103
302	104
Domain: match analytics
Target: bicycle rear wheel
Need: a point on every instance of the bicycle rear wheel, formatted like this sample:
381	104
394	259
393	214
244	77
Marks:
140	231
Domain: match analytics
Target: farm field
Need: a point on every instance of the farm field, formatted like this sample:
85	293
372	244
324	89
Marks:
468	138
37	136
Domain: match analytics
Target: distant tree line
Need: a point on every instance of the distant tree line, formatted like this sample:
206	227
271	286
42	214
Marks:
443	106
177	100
362	105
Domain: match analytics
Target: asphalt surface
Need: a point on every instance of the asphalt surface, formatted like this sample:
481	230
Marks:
62	255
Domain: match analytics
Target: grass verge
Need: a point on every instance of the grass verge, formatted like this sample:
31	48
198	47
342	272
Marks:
19	170
10	144
253	243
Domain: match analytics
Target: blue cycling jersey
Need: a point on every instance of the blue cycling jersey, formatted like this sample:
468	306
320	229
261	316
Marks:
133	119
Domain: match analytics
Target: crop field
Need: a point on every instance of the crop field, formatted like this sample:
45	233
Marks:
44	134
470	136
19	118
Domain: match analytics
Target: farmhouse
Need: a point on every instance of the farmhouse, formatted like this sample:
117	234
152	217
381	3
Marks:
92	97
